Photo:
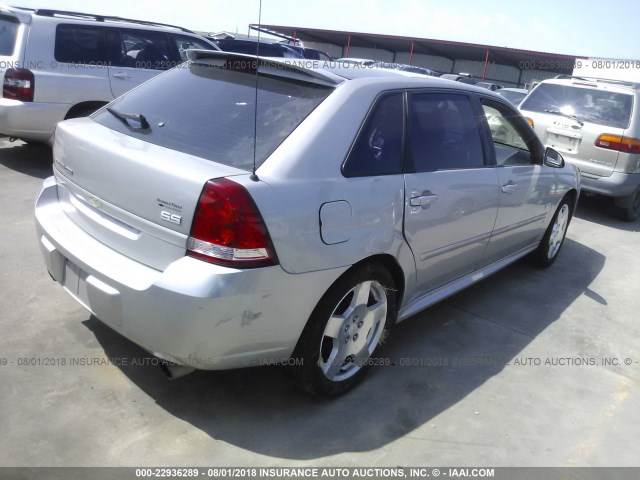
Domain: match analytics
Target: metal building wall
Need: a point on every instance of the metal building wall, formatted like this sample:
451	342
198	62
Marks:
441	64
504	75
468	66
370	53
333	50
530	76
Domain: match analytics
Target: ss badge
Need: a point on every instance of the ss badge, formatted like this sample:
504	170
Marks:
171	217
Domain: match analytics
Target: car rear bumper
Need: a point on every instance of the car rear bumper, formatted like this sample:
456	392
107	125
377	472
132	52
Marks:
193	313
30	120
617	185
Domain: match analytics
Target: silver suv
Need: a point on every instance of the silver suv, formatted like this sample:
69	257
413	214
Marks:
595	124
218	232
56	65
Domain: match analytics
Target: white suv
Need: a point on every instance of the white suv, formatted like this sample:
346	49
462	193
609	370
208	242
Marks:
595	124
57	65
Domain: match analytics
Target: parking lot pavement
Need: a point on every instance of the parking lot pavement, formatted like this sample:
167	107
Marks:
524	369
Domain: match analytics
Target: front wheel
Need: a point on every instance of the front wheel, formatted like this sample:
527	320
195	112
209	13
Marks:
553	238
344	331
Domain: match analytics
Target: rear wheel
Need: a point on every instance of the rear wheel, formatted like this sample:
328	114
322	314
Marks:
32	142
344	331
553	238
83	110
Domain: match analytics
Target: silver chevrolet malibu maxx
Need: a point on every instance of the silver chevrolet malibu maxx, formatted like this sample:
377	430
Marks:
240	211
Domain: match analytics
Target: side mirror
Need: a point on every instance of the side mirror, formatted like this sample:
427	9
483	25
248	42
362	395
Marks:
552	158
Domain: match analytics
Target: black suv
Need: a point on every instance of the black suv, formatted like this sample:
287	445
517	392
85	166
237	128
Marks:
250	47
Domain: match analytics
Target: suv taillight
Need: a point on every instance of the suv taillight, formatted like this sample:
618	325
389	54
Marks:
228	229
618	143
19	84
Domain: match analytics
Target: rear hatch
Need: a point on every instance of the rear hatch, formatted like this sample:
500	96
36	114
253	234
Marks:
12	22
13	32
577	119
132	174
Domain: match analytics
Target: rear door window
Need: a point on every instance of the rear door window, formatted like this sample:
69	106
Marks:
208	111
612	109
8	32
82	44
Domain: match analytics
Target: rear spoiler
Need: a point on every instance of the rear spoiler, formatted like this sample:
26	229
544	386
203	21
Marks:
294	68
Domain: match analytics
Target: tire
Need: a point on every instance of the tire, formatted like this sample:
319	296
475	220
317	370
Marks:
553	238
351	320
34	143
631	209
82	112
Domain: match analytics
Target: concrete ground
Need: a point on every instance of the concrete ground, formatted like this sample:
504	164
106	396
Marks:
524	369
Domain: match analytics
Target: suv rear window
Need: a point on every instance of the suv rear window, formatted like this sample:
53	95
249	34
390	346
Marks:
8	32
208	111
591	105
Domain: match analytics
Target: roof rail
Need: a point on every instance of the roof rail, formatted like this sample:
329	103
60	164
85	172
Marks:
625	83
271	32
103	18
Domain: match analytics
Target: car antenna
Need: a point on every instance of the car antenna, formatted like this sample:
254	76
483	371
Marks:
253	176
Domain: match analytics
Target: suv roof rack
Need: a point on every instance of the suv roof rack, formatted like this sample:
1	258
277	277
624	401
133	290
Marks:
625	83
103	18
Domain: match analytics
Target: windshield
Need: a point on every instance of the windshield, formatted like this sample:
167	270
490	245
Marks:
8	31
209	112
585	104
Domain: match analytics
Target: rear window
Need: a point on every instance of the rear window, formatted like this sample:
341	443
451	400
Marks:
586	104
8	32
209	111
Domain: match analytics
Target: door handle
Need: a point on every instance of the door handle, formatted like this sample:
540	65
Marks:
121	75
509	187
423	200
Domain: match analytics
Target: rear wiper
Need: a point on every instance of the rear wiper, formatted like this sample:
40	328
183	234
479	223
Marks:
568	115
125	117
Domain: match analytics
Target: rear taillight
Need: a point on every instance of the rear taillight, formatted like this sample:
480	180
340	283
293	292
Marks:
618	143
19	84
228	228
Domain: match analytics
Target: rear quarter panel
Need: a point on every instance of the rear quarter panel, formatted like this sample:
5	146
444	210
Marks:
305	172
